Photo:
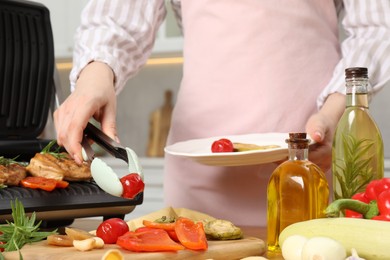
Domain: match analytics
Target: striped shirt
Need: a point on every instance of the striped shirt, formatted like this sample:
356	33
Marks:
122	34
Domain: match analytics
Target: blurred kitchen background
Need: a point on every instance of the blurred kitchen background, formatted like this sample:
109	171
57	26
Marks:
143	105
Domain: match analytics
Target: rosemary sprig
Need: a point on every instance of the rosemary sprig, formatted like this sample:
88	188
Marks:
6	161
354	171
56	153
22	230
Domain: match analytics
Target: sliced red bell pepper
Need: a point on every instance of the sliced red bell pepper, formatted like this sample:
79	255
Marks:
37	182
171	233
165	226
142	229
152	240
62	184
191	234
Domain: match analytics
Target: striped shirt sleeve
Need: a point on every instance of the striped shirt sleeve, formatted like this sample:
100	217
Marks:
367	44
118	33
176	7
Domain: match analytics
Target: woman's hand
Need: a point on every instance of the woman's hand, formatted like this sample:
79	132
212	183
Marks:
94	96
321	127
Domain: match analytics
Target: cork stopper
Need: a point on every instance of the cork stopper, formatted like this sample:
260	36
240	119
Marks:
356	72
297	141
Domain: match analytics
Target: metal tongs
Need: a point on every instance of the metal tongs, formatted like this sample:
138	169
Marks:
117	150
95	134
102	173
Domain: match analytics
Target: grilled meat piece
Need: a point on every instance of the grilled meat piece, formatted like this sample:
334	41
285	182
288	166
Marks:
63	168
12	174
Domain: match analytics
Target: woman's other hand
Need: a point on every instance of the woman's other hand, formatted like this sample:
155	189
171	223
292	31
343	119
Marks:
321	126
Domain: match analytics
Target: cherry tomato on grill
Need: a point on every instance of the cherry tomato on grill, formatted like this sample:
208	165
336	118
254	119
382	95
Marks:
110	229
222	146
132	185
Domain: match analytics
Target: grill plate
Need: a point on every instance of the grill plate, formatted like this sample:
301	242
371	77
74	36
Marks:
80	199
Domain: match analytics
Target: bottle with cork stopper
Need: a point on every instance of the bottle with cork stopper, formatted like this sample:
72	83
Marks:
357	151
297	190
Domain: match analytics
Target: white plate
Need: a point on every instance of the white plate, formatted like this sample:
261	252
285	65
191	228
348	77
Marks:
200	150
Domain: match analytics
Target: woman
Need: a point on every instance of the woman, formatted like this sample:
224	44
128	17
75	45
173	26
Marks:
250	66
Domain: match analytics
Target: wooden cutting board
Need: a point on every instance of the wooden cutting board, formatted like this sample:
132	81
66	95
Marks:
234	249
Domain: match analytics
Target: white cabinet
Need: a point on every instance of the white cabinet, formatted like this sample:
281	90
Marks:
65	17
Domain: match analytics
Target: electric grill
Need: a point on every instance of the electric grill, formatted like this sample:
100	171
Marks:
28	91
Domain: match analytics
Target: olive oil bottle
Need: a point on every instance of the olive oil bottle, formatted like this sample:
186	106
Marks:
357	152
297	190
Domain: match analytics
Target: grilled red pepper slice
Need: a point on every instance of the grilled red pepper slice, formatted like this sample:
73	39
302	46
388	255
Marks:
148	240
35	182
171	233
191	234
152	224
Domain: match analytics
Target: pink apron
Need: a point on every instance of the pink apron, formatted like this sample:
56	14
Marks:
250	66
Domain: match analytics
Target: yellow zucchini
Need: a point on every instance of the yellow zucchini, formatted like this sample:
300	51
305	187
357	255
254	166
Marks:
370	238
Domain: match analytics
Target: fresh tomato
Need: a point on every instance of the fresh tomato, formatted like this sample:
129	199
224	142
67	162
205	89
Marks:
222	146
110	229
132	185
191	234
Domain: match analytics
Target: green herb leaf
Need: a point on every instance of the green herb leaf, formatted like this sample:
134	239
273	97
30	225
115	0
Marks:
6	161
56	153
22	230
354	172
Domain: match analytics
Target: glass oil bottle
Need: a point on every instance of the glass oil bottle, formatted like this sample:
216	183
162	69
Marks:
297	190
357	151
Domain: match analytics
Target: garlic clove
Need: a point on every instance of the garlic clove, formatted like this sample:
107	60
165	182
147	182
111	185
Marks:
323	248
292	247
